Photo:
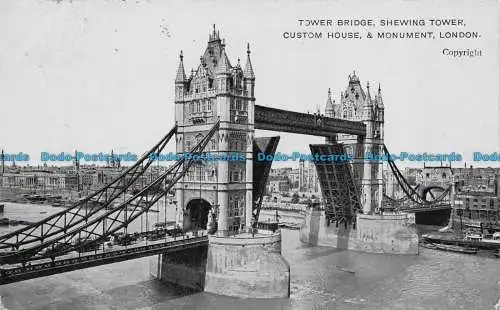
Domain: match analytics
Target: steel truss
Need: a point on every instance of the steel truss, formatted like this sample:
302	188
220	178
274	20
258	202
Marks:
411	192
341	196
93	231
59	223
395	201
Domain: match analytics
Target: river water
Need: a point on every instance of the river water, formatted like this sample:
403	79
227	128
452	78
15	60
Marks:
431	280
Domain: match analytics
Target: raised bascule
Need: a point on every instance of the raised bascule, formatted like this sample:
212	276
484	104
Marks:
224	249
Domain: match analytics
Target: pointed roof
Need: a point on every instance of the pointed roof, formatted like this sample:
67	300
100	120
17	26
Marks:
223	66
329	102
181	75
353	78
249	74
214	36
380	101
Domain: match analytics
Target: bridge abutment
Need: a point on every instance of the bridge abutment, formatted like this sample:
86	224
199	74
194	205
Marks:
374	233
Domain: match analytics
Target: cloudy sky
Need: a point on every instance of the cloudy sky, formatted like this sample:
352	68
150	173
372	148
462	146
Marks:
98	75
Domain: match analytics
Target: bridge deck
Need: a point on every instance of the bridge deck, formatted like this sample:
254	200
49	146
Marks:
303	123
424	209
41	269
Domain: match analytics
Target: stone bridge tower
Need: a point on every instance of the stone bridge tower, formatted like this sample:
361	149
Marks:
216	90
358	104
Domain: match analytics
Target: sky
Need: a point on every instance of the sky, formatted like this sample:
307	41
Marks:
98	75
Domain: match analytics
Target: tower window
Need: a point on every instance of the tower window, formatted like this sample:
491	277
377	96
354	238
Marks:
235	176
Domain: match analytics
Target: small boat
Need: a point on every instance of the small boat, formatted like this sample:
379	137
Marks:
292	226
455	248
497	254
345	269
428	245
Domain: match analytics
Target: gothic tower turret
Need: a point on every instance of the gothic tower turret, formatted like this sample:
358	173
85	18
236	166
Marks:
249	75
330	112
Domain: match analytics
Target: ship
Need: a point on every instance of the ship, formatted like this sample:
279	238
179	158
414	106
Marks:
470	240
433	217
451	248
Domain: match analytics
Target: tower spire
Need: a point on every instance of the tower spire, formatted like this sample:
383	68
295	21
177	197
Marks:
181	75
214	35
380	101
329	110
249	74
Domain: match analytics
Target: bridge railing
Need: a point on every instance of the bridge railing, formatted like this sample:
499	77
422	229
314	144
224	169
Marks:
18	273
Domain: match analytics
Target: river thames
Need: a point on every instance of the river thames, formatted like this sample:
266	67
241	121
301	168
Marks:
431	280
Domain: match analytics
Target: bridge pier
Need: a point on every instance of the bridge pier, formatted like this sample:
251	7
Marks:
185	268
248	267
242	266
374	233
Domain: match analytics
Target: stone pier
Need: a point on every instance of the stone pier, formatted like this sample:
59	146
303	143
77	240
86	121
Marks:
240	266
388	234
185	268
246	266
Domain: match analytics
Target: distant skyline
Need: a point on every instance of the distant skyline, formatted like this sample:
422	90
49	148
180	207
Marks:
97	76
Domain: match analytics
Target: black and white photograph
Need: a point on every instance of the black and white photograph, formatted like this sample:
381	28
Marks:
216	154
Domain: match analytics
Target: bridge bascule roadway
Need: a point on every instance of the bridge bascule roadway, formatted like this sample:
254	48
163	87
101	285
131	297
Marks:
102	256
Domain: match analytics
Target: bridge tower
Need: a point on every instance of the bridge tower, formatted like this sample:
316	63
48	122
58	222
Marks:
358	104
249	264
216	90
373	231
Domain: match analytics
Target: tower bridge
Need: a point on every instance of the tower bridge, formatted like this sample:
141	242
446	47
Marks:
216	112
